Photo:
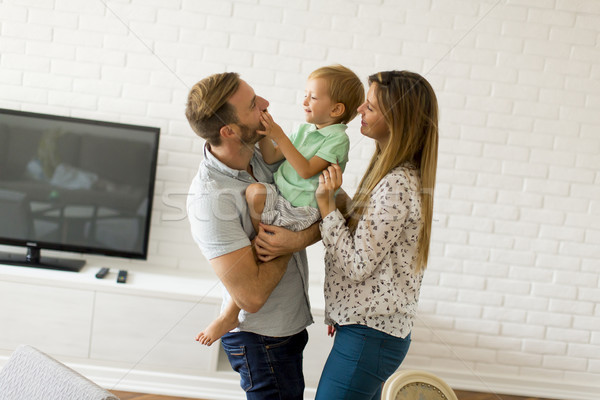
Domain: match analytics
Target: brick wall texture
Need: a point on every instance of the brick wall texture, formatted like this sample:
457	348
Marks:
513	284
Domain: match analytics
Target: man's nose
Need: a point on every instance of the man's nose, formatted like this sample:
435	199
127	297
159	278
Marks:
263	103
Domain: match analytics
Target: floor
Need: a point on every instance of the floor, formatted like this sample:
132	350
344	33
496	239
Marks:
141	396
462	395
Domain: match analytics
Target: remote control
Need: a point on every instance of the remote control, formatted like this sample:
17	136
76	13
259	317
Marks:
122	277
102	273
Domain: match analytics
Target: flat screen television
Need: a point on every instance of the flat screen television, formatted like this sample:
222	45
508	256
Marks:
74	185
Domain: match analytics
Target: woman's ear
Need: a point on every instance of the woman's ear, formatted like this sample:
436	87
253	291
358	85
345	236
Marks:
337	110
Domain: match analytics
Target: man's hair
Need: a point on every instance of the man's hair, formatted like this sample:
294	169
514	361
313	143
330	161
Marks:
344	87
207	108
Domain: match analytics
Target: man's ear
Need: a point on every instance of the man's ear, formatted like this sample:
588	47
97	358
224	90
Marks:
337	110
226	131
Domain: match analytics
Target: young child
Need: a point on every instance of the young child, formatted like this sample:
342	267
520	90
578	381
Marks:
331	99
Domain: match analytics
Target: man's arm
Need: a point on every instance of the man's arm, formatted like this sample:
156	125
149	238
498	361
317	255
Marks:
249	284
274	241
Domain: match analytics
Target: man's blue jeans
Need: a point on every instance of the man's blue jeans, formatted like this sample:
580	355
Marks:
360	361
269	367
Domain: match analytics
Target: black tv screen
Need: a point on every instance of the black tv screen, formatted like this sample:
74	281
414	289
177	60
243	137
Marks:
74	185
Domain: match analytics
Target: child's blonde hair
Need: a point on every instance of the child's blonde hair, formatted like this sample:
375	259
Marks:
344	87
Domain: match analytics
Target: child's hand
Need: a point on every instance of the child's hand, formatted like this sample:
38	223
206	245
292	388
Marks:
271	129
267	123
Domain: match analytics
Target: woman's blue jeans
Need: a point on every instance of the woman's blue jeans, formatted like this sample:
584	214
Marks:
269	367
360	361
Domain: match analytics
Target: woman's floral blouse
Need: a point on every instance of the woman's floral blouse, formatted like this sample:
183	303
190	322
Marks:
369	276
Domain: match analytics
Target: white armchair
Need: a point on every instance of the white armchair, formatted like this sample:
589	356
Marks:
30	374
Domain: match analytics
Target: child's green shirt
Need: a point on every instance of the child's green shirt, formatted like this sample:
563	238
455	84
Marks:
330	143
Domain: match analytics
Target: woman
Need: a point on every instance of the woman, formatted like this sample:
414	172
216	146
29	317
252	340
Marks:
377	243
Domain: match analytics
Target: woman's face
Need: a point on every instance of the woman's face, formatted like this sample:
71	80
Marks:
372	122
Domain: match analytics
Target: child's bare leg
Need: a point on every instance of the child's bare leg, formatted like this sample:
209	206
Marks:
220	326
256	195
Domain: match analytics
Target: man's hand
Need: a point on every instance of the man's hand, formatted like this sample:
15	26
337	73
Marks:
274	241
254	253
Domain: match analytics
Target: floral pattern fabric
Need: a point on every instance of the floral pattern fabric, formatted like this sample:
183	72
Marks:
370	276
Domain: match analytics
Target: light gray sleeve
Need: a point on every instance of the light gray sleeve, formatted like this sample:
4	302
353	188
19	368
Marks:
216	224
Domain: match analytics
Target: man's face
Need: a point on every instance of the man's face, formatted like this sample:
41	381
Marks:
248	107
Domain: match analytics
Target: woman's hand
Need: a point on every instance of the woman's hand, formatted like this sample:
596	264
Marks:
330	330
330	180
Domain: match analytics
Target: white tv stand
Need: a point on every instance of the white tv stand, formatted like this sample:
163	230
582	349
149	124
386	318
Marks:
137	336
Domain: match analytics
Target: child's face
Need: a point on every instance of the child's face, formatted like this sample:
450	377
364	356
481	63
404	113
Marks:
318	107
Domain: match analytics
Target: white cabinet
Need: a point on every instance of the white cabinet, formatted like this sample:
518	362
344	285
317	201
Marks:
135	337
151	333
53	318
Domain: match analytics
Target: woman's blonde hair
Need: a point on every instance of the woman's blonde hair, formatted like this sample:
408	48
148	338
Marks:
409	106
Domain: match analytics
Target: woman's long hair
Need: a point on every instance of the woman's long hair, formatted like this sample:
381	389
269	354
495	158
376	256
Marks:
410	110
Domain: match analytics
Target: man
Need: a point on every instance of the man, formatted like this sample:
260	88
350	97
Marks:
266	348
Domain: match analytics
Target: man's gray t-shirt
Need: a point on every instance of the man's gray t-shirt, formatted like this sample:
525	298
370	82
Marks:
221	224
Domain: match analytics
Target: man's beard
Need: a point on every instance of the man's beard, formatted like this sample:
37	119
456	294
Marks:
249	135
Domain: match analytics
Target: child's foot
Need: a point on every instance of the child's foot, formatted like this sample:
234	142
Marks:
215	330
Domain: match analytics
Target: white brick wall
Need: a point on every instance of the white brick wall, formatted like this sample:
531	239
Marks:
512	289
